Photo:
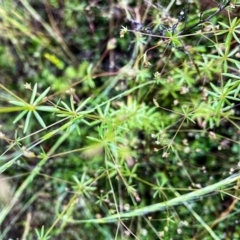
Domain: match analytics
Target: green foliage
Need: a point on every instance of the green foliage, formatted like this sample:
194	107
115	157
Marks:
33	107
128	136
41	234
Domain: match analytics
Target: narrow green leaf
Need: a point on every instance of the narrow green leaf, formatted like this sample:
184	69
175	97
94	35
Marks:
233	98
100	112
27	121
40	120
63	115
231	75
76	179
95	139
213	94
237	91
33	94
220	104
72	103
82	104
17	103
230	92
91	83
236	36
21	115
233	22
41	96
66	106
47	109
224	25
86	122
106	110
233	52
216	89
227	108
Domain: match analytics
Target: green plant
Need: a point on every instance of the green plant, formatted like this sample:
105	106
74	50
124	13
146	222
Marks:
41	234
133	140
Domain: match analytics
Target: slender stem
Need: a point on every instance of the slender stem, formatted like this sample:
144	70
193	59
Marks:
220	8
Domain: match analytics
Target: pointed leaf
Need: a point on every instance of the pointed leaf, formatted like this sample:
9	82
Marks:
33	94
47	109
42	96
216	89
76	179
233	98
236	36
237	91
17	103
21	115
72	103
66	106
39	118
27	121
82	104
231	75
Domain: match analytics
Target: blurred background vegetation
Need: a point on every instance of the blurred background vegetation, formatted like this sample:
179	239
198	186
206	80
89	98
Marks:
131	118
